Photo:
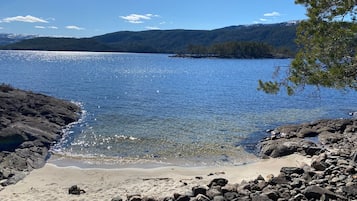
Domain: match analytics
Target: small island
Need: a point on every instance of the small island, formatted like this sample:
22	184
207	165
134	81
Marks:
236	50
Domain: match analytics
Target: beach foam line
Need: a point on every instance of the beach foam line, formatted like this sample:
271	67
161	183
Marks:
53	182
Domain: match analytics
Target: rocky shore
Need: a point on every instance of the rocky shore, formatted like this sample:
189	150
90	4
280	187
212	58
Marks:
29	124
332	144
332	175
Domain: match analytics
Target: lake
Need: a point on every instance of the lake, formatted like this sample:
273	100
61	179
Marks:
141	109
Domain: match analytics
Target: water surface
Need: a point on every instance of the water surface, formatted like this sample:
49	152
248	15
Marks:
150	108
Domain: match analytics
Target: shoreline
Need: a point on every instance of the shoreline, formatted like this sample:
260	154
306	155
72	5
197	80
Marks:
294	169
297	167
111	162
53	182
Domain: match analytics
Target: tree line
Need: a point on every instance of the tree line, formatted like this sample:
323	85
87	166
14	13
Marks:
236	49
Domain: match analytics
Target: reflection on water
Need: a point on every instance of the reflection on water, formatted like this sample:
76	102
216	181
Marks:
149	107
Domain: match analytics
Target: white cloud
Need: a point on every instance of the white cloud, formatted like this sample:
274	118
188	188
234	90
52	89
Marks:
138	19
263	20
272	14
152	15
152	28
48	27
73	27
27	18
1	28
40	27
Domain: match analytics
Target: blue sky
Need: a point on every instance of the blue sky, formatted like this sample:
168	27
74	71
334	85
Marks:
86	18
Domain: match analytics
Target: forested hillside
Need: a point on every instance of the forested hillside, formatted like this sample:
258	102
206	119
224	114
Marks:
173	41
244	50
58	44
280	36
6	39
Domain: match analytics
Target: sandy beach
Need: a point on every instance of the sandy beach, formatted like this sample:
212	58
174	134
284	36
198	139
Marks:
52	182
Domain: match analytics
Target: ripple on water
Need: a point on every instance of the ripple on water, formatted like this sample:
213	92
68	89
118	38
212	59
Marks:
151	108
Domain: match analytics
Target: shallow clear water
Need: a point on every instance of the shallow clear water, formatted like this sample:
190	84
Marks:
150	108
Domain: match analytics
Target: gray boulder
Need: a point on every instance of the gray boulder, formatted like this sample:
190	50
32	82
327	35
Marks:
307	132
282	147
118	198
218	182
317	192
291	170
350	190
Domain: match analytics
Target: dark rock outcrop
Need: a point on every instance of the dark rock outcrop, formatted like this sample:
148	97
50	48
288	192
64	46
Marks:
29	124
311	138
282	147
75	190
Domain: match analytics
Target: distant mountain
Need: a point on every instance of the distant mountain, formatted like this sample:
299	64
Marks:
58	44
281	35
6	39
277	35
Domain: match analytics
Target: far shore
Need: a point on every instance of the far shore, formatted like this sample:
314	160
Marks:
52	182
